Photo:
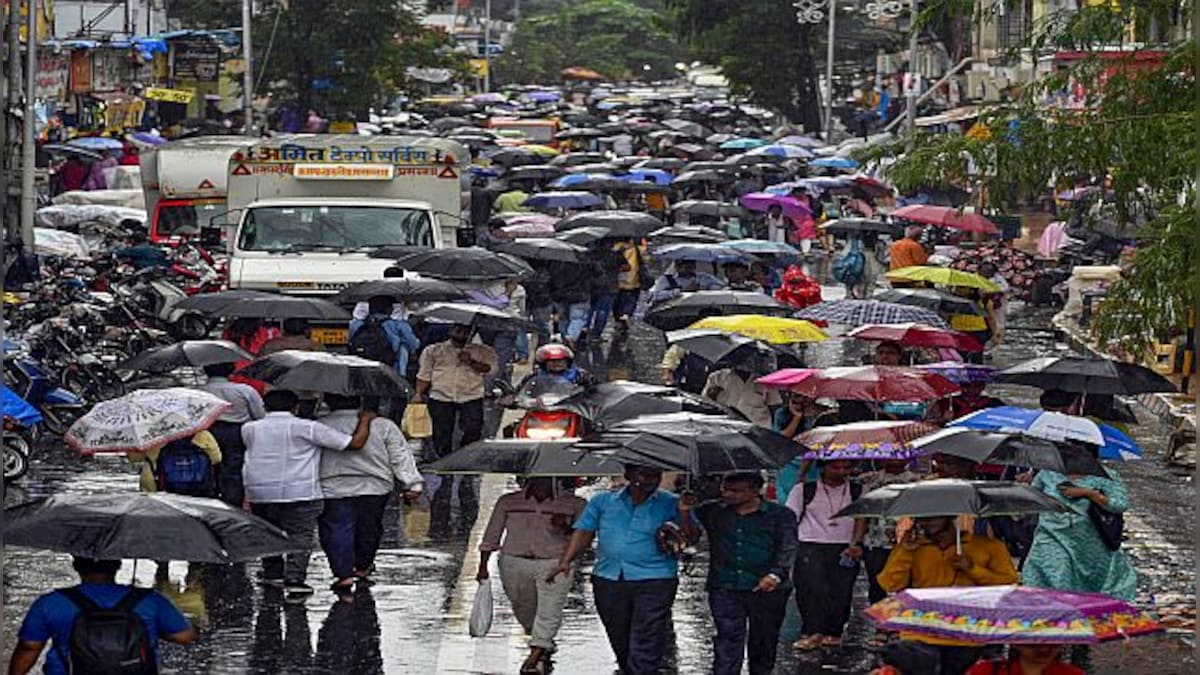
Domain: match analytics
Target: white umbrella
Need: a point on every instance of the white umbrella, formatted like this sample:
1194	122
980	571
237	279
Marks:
144	419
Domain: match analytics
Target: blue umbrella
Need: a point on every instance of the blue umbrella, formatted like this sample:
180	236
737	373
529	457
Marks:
656	176
742	144
1114	444
802	141
761	246
834	163
713	253
543	96
96	143
577	178
563	200
785	151
146	138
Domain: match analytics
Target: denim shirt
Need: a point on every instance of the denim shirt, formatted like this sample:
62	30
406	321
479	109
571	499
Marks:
404	341
627	535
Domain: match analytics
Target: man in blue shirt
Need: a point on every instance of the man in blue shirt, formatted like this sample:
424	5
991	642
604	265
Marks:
400	334
52	618
141	253
633	580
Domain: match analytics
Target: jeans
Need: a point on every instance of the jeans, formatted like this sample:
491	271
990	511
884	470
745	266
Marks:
635	616
824	589
731	610
233	458
602	307
626	303
575	317
298	520
445	416
350	530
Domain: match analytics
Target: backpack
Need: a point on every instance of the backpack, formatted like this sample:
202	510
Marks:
371	342
848	269
183	468
109	641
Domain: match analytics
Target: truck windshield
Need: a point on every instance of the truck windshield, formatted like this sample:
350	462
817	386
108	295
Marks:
341	228
184	219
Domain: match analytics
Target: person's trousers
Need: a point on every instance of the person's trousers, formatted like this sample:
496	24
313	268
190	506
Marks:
233	458
504	342
626	303
537	603
298	520
874	560
540	316
824	589
635	616
602	307
445	417
351	529
572	318
731	611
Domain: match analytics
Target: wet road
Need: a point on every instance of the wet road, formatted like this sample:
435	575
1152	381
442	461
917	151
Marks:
414	619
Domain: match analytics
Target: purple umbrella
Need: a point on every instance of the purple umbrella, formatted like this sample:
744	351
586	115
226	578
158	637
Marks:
961	373
488	98
763	201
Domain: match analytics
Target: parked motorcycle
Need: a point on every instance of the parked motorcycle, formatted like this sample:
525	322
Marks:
40	388
18	446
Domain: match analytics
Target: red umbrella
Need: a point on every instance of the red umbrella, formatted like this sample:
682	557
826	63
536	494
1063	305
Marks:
917	335
946	216
875	383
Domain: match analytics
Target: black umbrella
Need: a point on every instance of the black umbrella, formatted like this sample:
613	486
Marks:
687	234
527	457
610	403
193	353
859	226
698	444
583	236
510	157
687	128
157	526
583	133
213	303
577	159
720	166
446	124
929	298
701	178
641	187
536	173
469	314
278	307
600	184
462	264
687	308
715	345
1087	376
327	373
665	163
706	207
401	290
951	497
622	224
539	248
992	447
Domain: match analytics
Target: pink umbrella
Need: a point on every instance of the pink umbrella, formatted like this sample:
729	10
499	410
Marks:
761	201
945	216
530	225
917	335
783	379
875	383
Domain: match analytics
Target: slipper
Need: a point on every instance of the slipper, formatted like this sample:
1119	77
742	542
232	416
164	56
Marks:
831	642
808	644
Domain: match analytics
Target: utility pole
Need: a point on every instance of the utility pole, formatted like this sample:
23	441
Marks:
910	92
248	73
28	197
8	158
829	72
487	47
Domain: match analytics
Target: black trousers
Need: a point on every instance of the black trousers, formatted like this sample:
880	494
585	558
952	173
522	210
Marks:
445	418
874	560
824	589
917	657
635	616
731	611
233	458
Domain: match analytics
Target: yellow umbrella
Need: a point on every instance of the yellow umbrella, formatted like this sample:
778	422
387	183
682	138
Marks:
944	276
773	329
540	149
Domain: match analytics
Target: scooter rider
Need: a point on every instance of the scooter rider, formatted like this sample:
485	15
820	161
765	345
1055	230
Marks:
557	361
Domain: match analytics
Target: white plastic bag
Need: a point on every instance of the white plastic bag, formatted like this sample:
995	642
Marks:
481	611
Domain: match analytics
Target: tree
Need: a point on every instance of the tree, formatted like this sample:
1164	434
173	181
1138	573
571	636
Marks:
1124	118
760	48
616	38
345	57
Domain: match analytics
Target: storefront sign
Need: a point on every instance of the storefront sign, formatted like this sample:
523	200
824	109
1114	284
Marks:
53	76
345	171
198	60
81	72
170	95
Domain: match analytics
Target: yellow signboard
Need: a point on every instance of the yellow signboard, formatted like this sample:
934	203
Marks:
479	67
170	95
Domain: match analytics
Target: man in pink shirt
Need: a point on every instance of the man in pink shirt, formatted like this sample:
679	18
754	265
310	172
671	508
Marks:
827	559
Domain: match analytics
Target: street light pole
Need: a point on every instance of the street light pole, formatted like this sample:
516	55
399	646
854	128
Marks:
910	92
28	197
248	73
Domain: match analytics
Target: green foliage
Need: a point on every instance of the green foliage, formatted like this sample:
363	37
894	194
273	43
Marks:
616	38
760	48
205	13
338	57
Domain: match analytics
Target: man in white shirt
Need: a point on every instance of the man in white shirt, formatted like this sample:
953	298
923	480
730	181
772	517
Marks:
283	481
245	406
737	389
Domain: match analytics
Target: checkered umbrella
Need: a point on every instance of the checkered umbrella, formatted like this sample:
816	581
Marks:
861	312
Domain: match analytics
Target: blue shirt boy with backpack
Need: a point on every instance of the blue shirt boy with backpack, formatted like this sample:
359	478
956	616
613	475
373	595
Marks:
380	336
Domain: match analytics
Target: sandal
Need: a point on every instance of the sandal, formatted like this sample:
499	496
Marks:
808	644
831	642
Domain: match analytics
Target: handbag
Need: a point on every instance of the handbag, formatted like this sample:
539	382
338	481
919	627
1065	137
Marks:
416	422
1110	525
481	610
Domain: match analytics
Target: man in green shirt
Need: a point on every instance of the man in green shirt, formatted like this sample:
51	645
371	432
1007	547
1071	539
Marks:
752	546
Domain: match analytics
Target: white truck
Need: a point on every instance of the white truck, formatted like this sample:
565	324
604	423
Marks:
184	183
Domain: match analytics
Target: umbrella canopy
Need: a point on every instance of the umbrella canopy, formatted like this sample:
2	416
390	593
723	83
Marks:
930	299
763	201
863	312
575	179
701	177
400	290
706	207
742	144
144	419
1011	615
213	303
951	497
96	143
578	159
686	308
566	199
687	234
960	373
537	248
772	329
1054	426
1083	375
857	226
699	252
583	236
697	444
63	149
193	353
664	163
993	447
780	150
656	176
802	141
715	345
943	276
687	128
873	383
465	264
760	247
264	306
470	314
610	403
945	216
156	526
880	440
327	373
534	173
619	224
525	457
917	335
844	163
528	224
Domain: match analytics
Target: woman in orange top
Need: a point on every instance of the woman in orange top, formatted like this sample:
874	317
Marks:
908	252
